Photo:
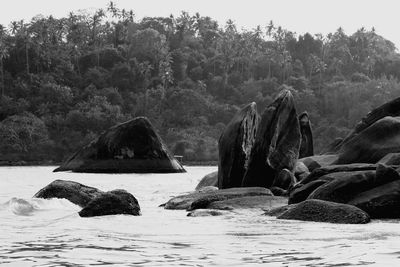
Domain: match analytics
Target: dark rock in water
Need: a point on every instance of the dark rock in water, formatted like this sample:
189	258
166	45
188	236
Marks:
390	159
373	143
77	193
319	172
318	161
235	145
344	188
210	179
391	109
277	142
111	203
252	202
380	202
307	144
130	147
325	211
185	201
207	212
284	180
301	193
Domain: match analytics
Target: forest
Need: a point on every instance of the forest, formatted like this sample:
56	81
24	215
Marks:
65	80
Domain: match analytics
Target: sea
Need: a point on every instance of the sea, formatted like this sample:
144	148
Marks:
40	232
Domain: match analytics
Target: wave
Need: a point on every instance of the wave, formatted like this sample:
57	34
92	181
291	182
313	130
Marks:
27	207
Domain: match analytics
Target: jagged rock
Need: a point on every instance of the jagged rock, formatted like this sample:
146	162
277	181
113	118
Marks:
277	142
235	145
391	109
344	188
207	212
307	145
380	202
318	161
185	201
111	203
77	193
300	168
325	211
210	179
252	202
373	143
130	147
391	159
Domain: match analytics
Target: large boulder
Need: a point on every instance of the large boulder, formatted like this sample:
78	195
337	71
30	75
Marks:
325	211
185	201
77	193
251	202
390	159
210	179
277	142
235	145
307	145
391	109
350	184
373	143
380	202
130	147
111	203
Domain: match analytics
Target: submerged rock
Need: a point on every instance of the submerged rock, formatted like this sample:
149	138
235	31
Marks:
185	201
235	145
210	179
112	203
277	142
207	212
324	211
130	147
77	193
252	202
307	143
373	143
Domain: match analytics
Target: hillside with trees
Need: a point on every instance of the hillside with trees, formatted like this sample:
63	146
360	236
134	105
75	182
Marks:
63	81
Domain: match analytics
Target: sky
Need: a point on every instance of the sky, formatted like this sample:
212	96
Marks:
300	16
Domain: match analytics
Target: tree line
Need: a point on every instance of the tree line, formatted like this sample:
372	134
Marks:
65	80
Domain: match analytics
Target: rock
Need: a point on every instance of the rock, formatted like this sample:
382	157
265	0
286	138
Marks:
210	179
130	147
307	145
300	168
301	193
391	109
318	161
207	212
252	202
344	188
277	191
390	159
380	202
277	142
373	143
77	193
185	201
235	145
284	180
275	212
319	172
111	203
208	189
324	211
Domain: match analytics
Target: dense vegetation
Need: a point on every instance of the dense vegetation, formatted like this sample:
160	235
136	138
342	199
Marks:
63	81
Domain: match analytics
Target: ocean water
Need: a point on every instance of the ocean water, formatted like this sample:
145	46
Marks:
37	232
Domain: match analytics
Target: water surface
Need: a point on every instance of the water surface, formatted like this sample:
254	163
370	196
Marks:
37	232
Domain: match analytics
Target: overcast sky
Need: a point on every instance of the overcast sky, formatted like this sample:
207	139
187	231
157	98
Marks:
314	16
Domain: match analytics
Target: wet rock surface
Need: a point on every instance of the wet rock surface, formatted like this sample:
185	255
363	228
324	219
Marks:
307	143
